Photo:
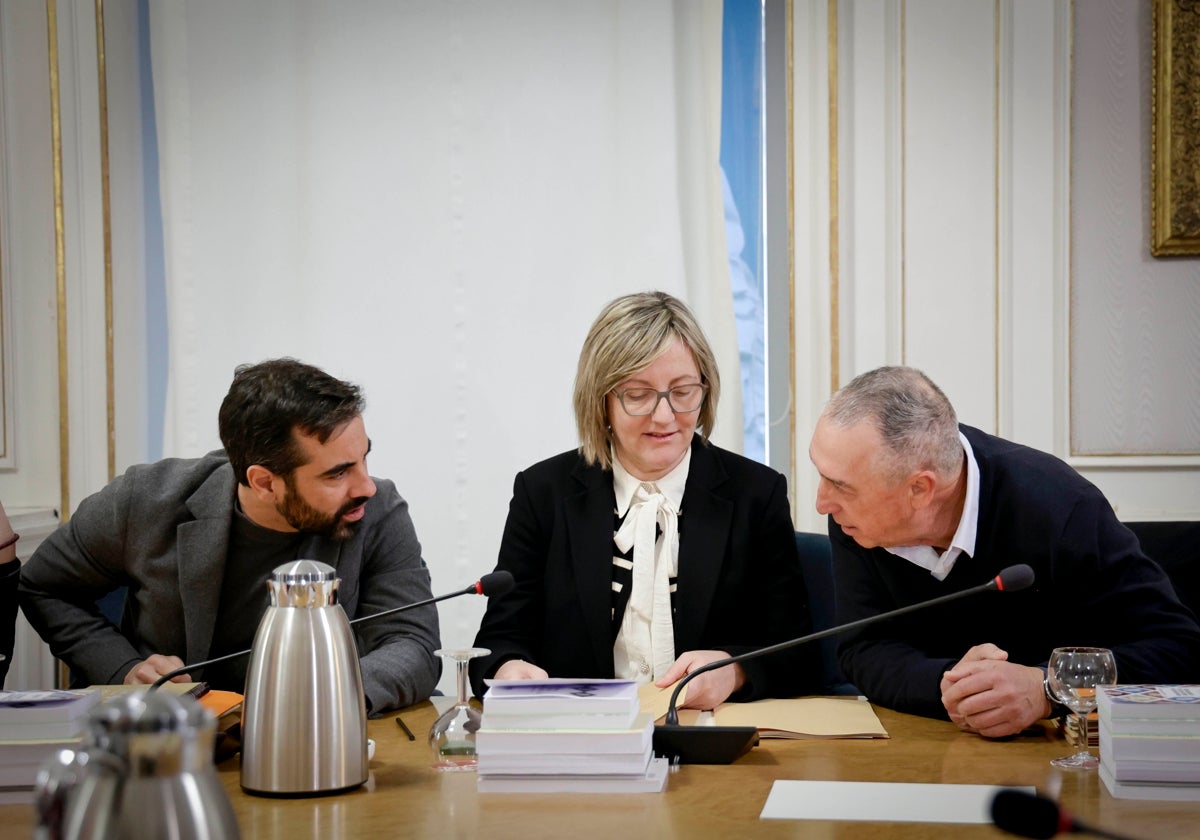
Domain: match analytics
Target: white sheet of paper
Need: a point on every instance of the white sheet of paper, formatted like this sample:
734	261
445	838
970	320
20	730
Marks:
880	801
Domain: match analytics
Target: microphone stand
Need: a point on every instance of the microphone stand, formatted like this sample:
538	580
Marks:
477	588
725	744
473	589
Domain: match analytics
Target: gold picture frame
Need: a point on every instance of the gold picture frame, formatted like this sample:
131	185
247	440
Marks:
1175	141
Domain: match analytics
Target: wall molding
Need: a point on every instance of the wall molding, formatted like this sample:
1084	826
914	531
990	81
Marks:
811	264
32	665
8	454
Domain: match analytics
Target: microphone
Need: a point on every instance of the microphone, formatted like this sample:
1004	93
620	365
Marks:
1028	815
493	583
723	744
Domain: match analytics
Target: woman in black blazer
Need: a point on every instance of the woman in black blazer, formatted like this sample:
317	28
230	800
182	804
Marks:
649	552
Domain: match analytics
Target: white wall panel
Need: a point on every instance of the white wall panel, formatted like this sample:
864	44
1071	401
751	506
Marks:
1035	199
127	219
1145	489
950	199
1135	320
83	236
28	249
33	491
870	161
1021	272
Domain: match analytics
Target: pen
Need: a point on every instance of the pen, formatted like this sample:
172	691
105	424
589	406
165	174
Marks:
404	726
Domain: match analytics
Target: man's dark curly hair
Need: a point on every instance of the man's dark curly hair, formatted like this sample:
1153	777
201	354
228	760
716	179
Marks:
269	400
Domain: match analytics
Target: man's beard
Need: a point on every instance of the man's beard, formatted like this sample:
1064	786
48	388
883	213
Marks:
307	519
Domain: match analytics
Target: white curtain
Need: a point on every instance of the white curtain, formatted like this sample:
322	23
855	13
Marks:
434	199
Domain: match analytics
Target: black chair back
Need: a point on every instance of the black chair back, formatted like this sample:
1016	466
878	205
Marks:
816	564
1176	547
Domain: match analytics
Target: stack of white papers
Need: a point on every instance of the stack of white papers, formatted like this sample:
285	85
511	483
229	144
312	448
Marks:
566	736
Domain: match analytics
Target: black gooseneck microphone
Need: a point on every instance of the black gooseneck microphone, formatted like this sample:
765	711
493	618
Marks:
723	744
1028	815
493	583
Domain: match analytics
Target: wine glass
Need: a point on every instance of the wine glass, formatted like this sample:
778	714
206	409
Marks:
1073	674
452	736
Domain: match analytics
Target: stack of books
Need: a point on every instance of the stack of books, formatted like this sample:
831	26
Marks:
33	725
1150	741
226	707
566	736
1070	728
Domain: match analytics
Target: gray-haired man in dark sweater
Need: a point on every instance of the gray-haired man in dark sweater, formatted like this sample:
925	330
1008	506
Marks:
920	506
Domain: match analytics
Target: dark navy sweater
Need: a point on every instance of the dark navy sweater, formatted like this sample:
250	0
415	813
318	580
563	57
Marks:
1093	586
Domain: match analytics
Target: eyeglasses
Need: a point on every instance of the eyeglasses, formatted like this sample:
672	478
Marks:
683	399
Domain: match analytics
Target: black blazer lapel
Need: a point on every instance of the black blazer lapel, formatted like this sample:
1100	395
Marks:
589	517
704	537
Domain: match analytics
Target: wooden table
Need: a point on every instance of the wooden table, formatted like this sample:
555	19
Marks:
405	797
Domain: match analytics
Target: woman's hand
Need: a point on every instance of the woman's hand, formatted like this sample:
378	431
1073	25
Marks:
519	669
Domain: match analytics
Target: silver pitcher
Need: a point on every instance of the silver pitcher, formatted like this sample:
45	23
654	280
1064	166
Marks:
304	719
145	769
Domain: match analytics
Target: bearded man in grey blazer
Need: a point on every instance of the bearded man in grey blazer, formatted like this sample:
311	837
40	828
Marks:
194	540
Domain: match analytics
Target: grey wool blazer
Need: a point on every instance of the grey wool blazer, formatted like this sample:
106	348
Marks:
162	530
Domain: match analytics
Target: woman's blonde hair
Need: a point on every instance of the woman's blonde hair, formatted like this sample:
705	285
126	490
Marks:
630	333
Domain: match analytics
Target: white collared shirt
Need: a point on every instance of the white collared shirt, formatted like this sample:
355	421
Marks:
670	485
645	643
926	556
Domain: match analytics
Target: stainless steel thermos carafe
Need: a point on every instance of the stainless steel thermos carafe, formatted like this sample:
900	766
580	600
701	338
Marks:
304	719
145	769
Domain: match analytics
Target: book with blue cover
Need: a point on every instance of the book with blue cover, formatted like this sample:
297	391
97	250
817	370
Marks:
561	696
44	715
45	706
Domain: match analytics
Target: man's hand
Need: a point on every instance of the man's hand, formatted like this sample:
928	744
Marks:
986	694
519	669
149	670
975	654
709	690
